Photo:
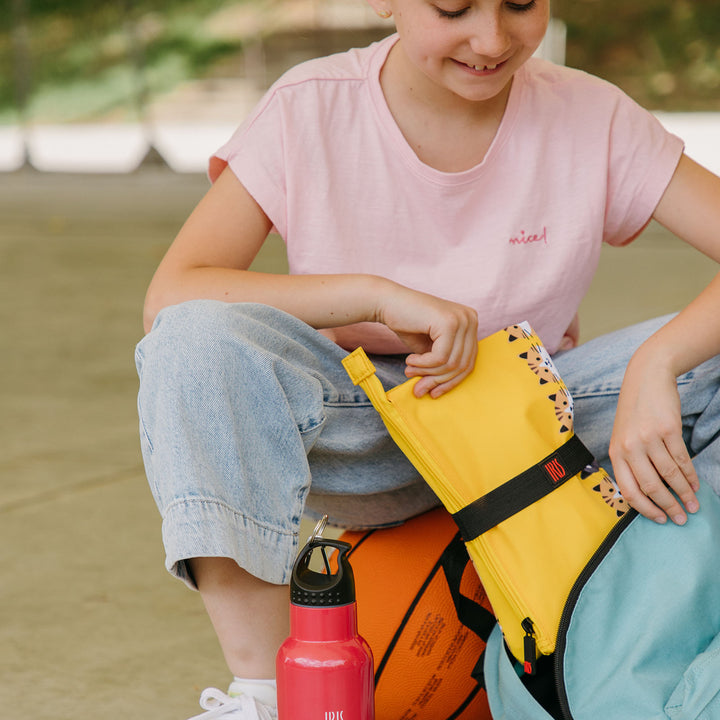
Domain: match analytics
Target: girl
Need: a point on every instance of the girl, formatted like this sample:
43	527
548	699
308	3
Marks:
431	189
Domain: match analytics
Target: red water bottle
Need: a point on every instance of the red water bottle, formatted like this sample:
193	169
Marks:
324	669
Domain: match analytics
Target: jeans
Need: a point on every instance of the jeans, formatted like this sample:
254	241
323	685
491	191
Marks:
248	420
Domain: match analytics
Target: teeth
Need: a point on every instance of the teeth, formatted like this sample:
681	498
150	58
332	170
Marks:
484	67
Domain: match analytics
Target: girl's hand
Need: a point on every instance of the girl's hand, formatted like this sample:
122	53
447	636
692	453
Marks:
647	450
442	335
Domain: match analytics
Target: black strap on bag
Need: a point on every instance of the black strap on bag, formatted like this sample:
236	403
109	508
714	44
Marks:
523	490
474	616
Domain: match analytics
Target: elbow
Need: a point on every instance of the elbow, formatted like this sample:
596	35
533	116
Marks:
165	289
148	319
149	315
155	301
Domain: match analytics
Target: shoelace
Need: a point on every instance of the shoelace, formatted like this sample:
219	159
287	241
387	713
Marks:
218	704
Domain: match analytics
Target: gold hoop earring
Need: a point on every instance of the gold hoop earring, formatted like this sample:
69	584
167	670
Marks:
384	14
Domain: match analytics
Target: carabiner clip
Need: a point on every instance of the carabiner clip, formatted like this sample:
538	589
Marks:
319	529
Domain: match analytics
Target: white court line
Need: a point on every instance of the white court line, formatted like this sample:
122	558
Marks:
120	148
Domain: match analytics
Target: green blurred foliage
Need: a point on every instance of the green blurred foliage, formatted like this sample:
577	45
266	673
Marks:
86	60
83	59
665	53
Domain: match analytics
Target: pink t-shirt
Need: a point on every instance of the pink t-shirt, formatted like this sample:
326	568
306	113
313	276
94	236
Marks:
574	163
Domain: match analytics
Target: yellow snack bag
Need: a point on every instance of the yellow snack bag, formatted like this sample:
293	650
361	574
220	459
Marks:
500	452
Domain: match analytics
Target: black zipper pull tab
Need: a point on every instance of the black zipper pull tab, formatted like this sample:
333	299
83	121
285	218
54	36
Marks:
529	647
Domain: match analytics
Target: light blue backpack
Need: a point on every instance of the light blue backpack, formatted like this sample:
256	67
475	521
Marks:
640	635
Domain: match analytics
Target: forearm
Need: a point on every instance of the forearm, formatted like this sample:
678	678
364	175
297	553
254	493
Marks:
689	339
322	301
647	448
690	208
440	335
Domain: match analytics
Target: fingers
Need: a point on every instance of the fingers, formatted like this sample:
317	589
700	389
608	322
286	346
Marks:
441	333
450	360
437	379
647	475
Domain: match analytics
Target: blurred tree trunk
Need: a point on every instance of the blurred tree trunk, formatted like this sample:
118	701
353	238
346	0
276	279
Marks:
22	70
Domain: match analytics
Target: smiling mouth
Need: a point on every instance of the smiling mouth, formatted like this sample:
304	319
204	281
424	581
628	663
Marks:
484	68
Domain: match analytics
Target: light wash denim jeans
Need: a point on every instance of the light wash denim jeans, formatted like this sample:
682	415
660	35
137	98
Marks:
248	420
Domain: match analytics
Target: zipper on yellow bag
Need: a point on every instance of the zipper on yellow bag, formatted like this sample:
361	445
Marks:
529	647
540	636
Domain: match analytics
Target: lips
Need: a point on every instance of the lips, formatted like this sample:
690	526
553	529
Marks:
484	68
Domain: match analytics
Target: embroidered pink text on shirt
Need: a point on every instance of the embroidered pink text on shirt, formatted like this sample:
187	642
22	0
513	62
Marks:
524	239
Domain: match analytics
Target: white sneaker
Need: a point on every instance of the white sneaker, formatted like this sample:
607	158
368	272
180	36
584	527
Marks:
243	707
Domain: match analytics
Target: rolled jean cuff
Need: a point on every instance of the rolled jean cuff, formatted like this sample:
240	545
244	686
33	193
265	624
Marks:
204	527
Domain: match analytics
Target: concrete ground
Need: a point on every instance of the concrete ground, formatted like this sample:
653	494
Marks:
91	626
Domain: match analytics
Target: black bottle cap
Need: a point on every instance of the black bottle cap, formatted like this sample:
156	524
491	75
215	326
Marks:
309	588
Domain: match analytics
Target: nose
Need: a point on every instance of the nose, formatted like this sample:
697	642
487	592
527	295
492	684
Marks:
490	37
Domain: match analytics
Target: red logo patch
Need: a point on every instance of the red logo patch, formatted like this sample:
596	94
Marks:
555	470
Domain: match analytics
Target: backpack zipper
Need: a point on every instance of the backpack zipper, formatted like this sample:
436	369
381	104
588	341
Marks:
592	565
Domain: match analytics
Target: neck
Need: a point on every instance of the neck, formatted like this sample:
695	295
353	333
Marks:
445	131
404	83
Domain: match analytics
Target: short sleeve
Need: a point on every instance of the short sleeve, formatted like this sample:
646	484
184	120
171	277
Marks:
643	156
255	154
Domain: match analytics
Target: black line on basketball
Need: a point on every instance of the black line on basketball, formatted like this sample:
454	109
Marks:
405	620
359	542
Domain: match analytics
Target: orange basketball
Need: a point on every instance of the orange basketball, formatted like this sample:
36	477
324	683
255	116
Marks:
424	655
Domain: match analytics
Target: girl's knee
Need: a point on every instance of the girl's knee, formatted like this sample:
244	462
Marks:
201	330
191	318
